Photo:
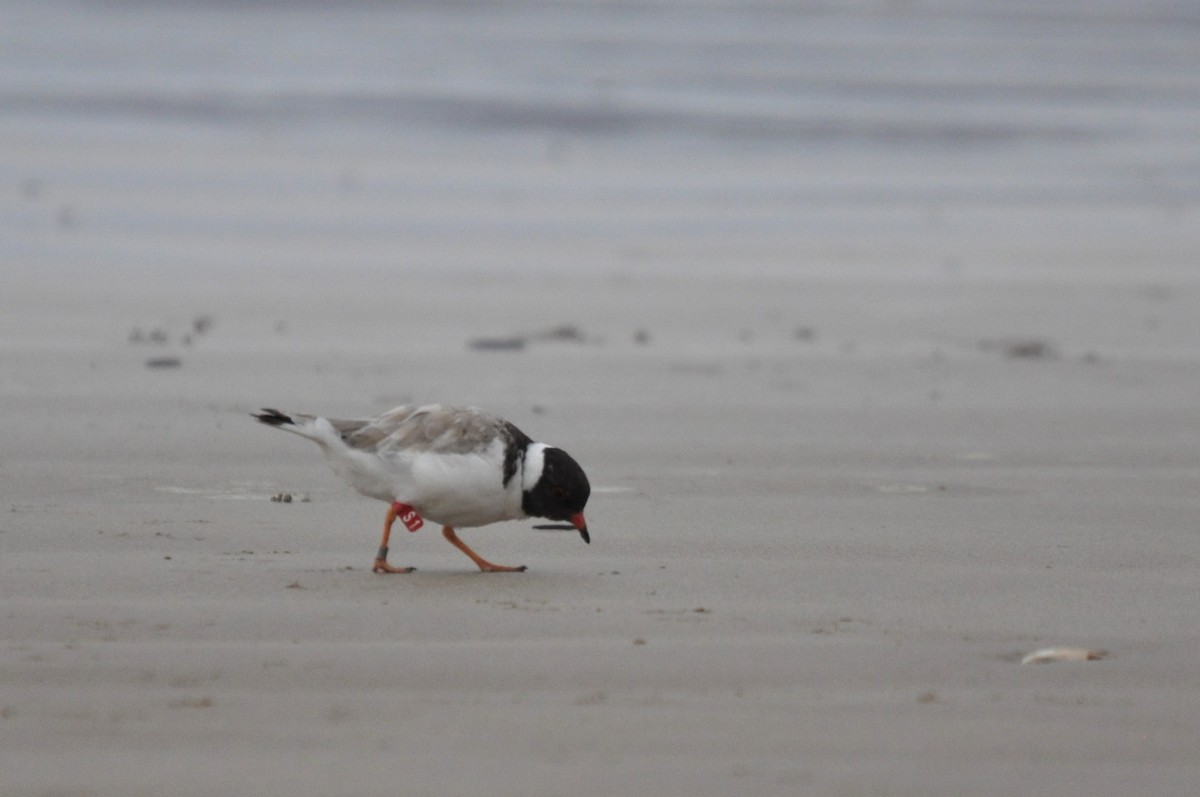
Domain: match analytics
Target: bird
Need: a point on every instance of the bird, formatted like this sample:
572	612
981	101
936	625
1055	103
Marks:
460	467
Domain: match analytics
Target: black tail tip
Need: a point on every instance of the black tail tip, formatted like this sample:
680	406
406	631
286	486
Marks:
272	417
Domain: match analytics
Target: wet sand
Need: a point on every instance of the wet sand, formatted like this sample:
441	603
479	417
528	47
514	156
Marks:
828	521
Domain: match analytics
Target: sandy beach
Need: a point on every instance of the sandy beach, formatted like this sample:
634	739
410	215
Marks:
866	423
816	560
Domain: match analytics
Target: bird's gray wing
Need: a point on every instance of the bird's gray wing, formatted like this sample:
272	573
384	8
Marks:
433	428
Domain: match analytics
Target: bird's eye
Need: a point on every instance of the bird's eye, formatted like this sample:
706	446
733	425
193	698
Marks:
558	491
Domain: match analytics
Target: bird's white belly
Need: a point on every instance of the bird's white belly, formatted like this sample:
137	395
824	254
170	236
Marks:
460	490
463	490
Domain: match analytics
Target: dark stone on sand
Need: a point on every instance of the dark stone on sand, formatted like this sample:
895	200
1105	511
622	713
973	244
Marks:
1029	350
163	362
565	332
497	344
1022	348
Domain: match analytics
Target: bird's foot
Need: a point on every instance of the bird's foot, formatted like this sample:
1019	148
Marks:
488	567
480	562
381	564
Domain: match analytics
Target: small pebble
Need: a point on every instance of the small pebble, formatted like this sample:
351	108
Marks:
163	362
497	344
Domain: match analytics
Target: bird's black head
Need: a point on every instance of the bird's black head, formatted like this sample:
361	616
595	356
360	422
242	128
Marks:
559	489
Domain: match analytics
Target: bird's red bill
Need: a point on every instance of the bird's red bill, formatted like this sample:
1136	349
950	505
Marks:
578	522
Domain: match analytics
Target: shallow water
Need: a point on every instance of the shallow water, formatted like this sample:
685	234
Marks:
901	139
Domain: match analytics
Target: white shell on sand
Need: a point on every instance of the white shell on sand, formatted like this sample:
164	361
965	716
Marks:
1047	655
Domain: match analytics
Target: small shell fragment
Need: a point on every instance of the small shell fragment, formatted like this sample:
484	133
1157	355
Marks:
1047	655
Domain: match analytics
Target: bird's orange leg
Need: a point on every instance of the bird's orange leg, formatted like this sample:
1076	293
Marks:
381	565
484	564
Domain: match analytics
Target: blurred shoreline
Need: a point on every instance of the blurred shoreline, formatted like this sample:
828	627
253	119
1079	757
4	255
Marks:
812	141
